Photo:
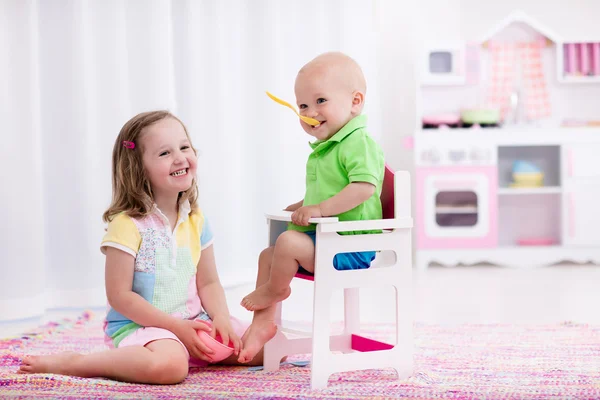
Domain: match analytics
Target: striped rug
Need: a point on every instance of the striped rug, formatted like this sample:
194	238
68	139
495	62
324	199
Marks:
560	361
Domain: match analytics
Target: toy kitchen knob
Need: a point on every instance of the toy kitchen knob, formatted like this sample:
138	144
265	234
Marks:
432	156
457	155
480	155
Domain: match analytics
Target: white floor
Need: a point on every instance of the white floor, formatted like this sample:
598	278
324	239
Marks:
476	294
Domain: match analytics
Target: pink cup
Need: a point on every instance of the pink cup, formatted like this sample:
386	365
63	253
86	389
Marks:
221	351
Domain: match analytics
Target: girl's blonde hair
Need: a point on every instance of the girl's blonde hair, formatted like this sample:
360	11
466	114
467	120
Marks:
131	190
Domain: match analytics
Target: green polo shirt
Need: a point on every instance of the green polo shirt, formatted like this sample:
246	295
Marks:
351	155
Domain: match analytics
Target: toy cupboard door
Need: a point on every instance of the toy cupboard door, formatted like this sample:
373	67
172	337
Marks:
582	161
581	195
582	214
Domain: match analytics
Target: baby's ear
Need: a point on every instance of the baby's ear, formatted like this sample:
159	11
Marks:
358	98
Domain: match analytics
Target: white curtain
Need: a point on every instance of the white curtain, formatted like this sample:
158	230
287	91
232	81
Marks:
73	72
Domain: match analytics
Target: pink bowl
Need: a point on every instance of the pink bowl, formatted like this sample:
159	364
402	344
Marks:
536	241
221	351
441	119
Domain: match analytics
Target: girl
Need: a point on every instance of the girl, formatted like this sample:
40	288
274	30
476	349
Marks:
161	278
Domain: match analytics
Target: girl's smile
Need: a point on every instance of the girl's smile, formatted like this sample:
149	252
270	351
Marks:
180	172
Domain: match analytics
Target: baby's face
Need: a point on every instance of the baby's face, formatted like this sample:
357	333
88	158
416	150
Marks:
324	97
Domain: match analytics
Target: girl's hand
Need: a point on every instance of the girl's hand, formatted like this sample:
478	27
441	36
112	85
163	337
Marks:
186	331
222	326
303	214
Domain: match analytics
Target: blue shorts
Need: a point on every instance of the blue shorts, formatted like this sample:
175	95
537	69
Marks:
345	261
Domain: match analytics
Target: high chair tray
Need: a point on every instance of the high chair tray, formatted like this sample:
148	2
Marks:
287	216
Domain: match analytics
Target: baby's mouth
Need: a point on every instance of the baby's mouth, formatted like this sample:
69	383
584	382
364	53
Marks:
320	124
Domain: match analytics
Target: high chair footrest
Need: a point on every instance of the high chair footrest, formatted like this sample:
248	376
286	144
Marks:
296	332
361	343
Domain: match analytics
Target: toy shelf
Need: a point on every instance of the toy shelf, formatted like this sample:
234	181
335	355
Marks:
546	158
534	219
578	62
580	79
519	257
534	190
515	136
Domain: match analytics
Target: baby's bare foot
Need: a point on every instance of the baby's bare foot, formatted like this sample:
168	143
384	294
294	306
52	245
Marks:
54	364
263	297
255	338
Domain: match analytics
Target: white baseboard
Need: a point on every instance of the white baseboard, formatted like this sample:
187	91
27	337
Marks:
22	308
36	306
239	278
86	298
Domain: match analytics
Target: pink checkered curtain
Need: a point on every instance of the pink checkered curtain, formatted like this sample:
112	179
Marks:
537	100
503	70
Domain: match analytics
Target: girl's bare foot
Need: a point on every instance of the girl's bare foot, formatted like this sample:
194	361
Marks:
255	338
264	296
62	364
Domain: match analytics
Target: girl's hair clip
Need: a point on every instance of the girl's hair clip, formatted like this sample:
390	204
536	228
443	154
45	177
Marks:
128	144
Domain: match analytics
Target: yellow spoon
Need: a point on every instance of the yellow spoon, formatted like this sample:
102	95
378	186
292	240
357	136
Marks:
308	120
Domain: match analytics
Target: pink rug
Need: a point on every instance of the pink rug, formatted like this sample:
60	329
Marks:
559	361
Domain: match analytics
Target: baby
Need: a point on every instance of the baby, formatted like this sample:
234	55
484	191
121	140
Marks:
344	175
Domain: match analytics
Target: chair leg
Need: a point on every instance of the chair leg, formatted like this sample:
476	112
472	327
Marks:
273	348
270	362
422	263
272	352
318	380
278	312
321	353
351	311
404	330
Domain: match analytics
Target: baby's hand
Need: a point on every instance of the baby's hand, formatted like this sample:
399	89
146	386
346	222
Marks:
185	330
303	214
292	207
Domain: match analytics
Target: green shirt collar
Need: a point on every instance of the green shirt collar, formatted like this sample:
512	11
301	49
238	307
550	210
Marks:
358	122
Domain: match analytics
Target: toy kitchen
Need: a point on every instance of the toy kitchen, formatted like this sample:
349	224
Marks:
506	147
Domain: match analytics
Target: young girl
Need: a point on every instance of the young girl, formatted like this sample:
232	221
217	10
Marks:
161	278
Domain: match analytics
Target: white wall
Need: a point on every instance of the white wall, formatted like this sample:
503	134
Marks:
72	72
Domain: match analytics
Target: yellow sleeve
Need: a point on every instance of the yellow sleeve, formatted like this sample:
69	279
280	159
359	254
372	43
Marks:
122	234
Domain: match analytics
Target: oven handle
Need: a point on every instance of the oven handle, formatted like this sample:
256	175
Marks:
456	185
571	215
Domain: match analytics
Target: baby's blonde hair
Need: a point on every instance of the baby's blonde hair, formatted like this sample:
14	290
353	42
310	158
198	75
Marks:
131	190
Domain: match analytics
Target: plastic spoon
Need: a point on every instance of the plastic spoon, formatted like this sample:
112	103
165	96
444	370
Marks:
308	120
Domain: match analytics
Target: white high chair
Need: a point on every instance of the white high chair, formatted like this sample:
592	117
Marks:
358	352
